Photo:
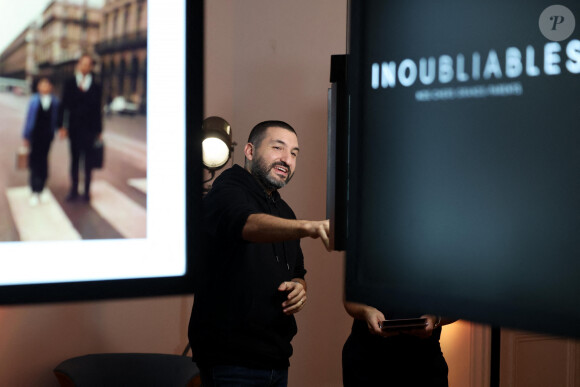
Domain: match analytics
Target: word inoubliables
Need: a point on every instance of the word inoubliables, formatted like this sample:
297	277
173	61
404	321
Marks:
445	68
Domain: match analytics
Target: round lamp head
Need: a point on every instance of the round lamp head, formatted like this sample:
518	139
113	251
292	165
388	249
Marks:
215	152
217	142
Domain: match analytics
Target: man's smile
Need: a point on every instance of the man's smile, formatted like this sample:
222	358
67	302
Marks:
281	169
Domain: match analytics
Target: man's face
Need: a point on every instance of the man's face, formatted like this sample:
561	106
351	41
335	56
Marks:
44	87
274	160
85	65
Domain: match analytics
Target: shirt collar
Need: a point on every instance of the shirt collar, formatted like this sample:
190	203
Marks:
45	100
84	81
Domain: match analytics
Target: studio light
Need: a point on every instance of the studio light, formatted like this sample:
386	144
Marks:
217	145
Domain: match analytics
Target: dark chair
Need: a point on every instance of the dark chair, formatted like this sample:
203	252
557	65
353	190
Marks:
128	370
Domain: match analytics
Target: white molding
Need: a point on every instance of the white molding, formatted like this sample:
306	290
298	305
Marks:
480	360
509	361
572	347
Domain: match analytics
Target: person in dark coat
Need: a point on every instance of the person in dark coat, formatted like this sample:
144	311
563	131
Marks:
80	120
39	129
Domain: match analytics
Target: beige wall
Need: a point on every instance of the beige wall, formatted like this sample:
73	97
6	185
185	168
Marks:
266	59
34	339
270	59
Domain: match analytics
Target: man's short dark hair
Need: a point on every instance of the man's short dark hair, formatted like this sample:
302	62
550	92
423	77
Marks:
86	55
259	131
41	79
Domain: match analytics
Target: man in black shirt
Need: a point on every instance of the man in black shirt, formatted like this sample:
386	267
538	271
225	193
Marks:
250	278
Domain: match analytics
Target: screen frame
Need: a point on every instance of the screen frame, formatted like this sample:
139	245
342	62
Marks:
151	286
337	156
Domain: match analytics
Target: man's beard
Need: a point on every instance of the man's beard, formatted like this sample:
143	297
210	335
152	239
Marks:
262	172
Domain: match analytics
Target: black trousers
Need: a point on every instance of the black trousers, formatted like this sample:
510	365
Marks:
392	362
81	150
38	163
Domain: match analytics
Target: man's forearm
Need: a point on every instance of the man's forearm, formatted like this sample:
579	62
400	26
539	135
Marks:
358	311
264	228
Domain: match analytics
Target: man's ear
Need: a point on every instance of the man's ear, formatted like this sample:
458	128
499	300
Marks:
249	151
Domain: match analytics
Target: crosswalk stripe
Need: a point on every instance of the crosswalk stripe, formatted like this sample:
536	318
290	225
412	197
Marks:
135	152
126	216
140	184
43	222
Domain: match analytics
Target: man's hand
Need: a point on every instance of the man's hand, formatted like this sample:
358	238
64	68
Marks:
374	318
62	133
427	331
296	297
318	229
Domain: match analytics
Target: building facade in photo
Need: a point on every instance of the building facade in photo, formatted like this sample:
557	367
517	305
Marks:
114	33
122	48
17	62
66	31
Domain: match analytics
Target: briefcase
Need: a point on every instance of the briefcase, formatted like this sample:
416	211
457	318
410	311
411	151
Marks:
98	154
22	157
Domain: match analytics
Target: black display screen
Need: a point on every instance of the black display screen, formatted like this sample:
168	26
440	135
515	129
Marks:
465	161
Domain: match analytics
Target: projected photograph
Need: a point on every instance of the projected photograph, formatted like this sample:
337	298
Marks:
123	129
89	181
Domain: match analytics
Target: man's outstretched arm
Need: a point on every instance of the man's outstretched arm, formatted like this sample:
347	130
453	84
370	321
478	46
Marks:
264	228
